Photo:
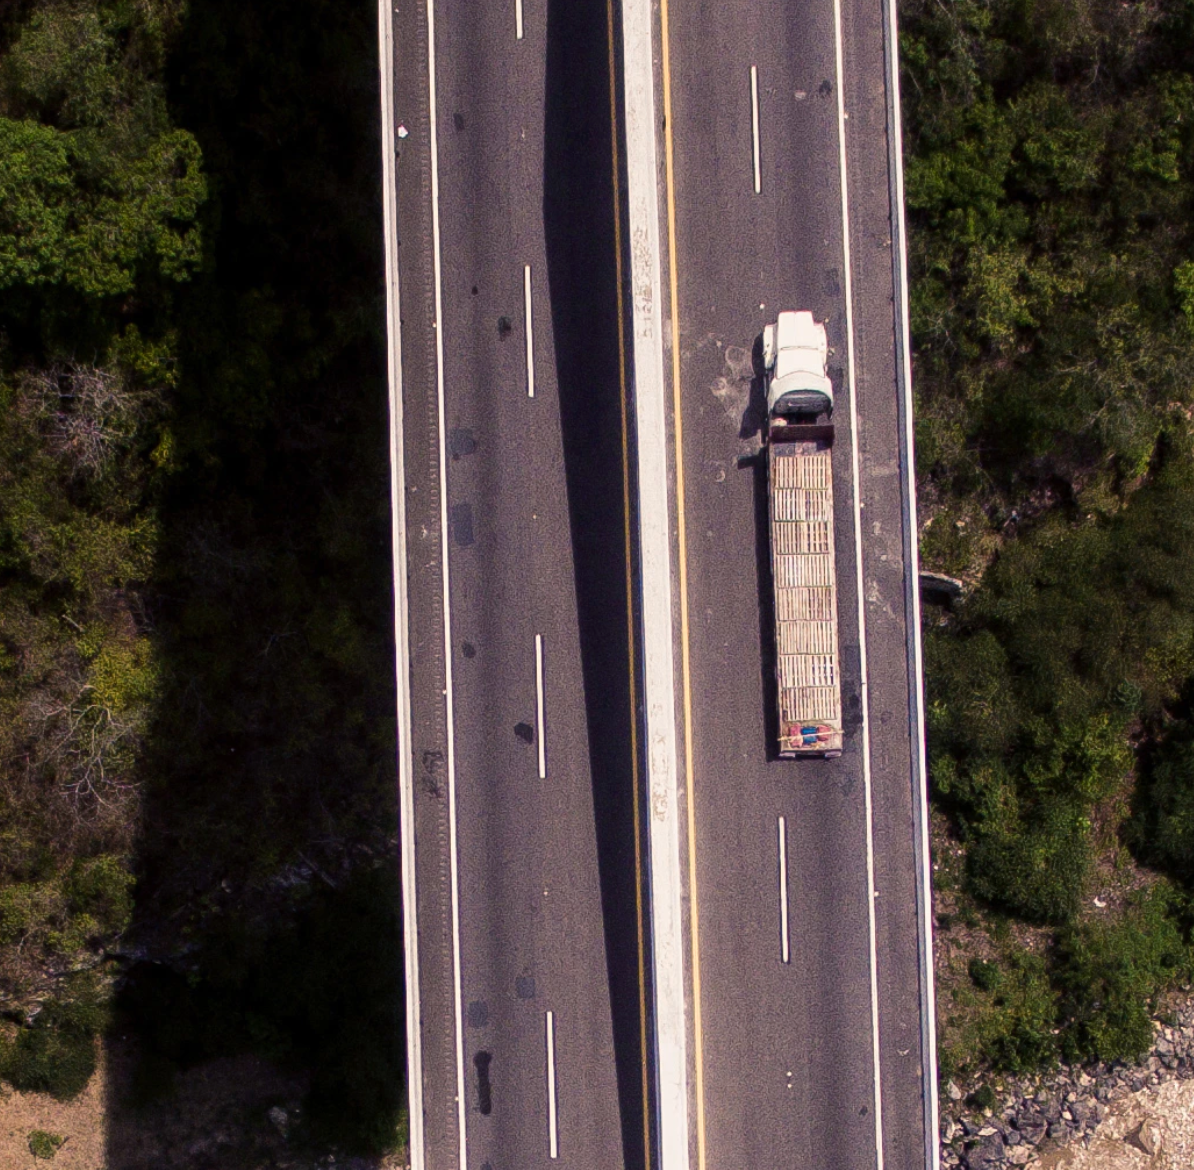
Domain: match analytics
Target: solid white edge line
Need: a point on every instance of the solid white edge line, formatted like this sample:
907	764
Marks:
553	1135
454	860
912	558
754	125
784	951
529	324
540	720
640	40
518	19
406	800
863	687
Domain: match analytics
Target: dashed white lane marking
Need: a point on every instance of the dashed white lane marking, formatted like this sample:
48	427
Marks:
783	890
754	125
553	1134
530	329
540	721
864	691
449	713
518	19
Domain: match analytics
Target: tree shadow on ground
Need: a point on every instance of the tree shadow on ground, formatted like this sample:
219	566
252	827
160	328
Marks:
267	918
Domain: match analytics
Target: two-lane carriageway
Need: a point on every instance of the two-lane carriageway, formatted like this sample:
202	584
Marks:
514	1052
807	989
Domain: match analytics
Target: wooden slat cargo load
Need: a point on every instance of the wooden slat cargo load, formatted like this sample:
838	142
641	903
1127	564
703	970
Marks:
803	569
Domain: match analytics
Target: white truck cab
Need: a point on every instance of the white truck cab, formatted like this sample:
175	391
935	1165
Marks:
795	355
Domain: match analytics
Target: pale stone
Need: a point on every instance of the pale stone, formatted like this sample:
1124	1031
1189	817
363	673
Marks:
1144	1137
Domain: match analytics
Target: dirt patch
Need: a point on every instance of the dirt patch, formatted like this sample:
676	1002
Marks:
1116	878
80	1122
239	1113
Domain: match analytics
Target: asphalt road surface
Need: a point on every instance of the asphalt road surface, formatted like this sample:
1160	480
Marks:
814	1062
520	739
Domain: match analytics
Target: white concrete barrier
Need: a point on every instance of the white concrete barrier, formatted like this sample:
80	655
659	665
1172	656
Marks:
639	39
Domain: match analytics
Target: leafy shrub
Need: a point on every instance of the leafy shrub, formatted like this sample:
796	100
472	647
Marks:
1074	632
1037	872
1048	164
1016	1034
24	907
1050	197
1110	974
984	974
97	186
51	1060
1163	827
43	1144
57	1053
59	227
983	1098
101	887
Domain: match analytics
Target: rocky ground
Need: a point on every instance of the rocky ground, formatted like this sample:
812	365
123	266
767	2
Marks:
1153	1128
1117	1117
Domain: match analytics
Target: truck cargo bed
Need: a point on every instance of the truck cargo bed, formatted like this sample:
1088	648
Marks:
808	682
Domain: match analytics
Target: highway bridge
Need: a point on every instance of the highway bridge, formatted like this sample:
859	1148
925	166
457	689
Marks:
634	938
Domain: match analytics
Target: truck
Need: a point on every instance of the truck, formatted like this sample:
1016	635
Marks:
799	454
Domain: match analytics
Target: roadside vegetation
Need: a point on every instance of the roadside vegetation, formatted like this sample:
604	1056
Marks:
1050	191
197	820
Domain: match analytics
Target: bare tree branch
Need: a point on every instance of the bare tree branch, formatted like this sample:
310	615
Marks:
89	413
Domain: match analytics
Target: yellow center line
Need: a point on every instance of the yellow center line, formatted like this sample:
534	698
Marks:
629	550
682	539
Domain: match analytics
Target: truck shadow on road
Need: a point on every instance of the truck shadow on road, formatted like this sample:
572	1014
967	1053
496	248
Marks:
579	223
754	417
754	426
